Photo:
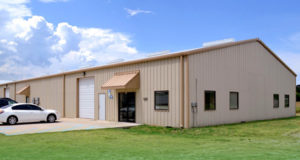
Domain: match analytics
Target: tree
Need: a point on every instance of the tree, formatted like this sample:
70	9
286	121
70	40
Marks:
298	93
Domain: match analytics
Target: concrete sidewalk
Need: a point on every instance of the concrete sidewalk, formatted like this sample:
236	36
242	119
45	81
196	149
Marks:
64	124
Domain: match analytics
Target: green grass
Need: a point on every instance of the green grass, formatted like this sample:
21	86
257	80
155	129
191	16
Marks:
270	140
298	107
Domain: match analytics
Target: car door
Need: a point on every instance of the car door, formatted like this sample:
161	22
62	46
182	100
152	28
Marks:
23	113
37	113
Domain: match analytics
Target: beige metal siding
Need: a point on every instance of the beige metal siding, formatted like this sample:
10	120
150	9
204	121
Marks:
71	95
2	90
248	69
155	75
21	98
48	90
11	90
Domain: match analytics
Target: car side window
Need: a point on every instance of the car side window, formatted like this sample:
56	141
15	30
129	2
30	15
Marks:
21	107
32	107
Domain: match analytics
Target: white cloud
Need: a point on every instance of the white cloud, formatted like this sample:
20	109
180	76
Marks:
10	9
31	46
132	12
53	1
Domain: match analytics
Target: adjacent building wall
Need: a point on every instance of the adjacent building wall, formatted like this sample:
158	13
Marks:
2	91
248	69
11	90
50	92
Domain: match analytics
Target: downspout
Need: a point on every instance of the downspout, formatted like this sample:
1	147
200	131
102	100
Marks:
181	92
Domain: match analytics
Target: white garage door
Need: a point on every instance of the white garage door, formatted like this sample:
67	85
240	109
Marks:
86	98
6	93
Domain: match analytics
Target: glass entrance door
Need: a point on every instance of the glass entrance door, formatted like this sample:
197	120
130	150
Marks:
127	107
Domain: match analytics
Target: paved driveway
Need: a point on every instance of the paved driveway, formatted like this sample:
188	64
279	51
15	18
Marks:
64	124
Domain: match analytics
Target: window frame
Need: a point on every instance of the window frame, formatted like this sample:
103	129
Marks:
155	100
288	96
238	100
215	102
274	100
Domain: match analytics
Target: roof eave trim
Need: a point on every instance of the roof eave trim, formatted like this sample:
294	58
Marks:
174	55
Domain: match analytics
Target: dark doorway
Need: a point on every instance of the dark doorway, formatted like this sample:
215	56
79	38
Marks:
127	107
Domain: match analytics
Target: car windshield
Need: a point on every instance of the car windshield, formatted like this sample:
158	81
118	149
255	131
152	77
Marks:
11	102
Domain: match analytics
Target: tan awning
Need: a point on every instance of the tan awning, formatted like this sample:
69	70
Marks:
24	91
124	80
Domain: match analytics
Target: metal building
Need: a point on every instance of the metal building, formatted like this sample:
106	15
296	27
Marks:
225	83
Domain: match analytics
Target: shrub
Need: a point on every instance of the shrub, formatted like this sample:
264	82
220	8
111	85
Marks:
298	97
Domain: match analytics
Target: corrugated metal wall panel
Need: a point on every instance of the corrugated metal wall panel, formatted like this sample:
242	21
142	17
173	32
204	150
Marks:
21	98
71	95
156	75
48	90
11	90
248	69
1	91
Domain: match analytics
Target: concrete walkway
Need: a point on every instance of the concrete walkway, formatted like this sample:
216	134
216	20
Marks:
64	124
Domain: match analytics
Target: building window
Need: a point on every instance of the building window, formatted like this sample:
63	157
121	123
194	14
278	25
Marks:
234	100
161	100
210	100
287	100
276	100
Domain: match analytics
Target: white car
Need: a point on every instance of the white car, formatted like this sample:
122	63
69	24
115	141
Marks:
23	112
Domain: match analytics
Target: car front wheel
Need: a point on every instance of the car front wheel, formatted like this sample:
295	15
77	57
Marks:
12	120
51	118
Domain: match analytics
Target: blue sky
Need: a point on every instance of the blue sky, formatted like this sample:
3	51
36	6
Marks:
63	32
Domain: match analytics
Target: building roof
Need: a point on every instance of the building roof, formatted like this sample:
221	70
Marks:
173	55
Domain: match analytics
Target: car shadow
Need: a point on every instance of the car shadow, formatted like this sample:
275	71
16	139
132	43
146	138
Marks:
29	123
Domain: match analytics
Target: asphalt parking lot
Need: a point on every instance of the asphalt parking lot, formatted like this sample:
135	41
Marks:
63	125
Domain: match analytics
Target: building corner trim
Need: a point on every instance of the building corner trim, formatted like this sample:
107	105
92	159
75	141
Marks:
186	90
64	96
181	92
15	94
